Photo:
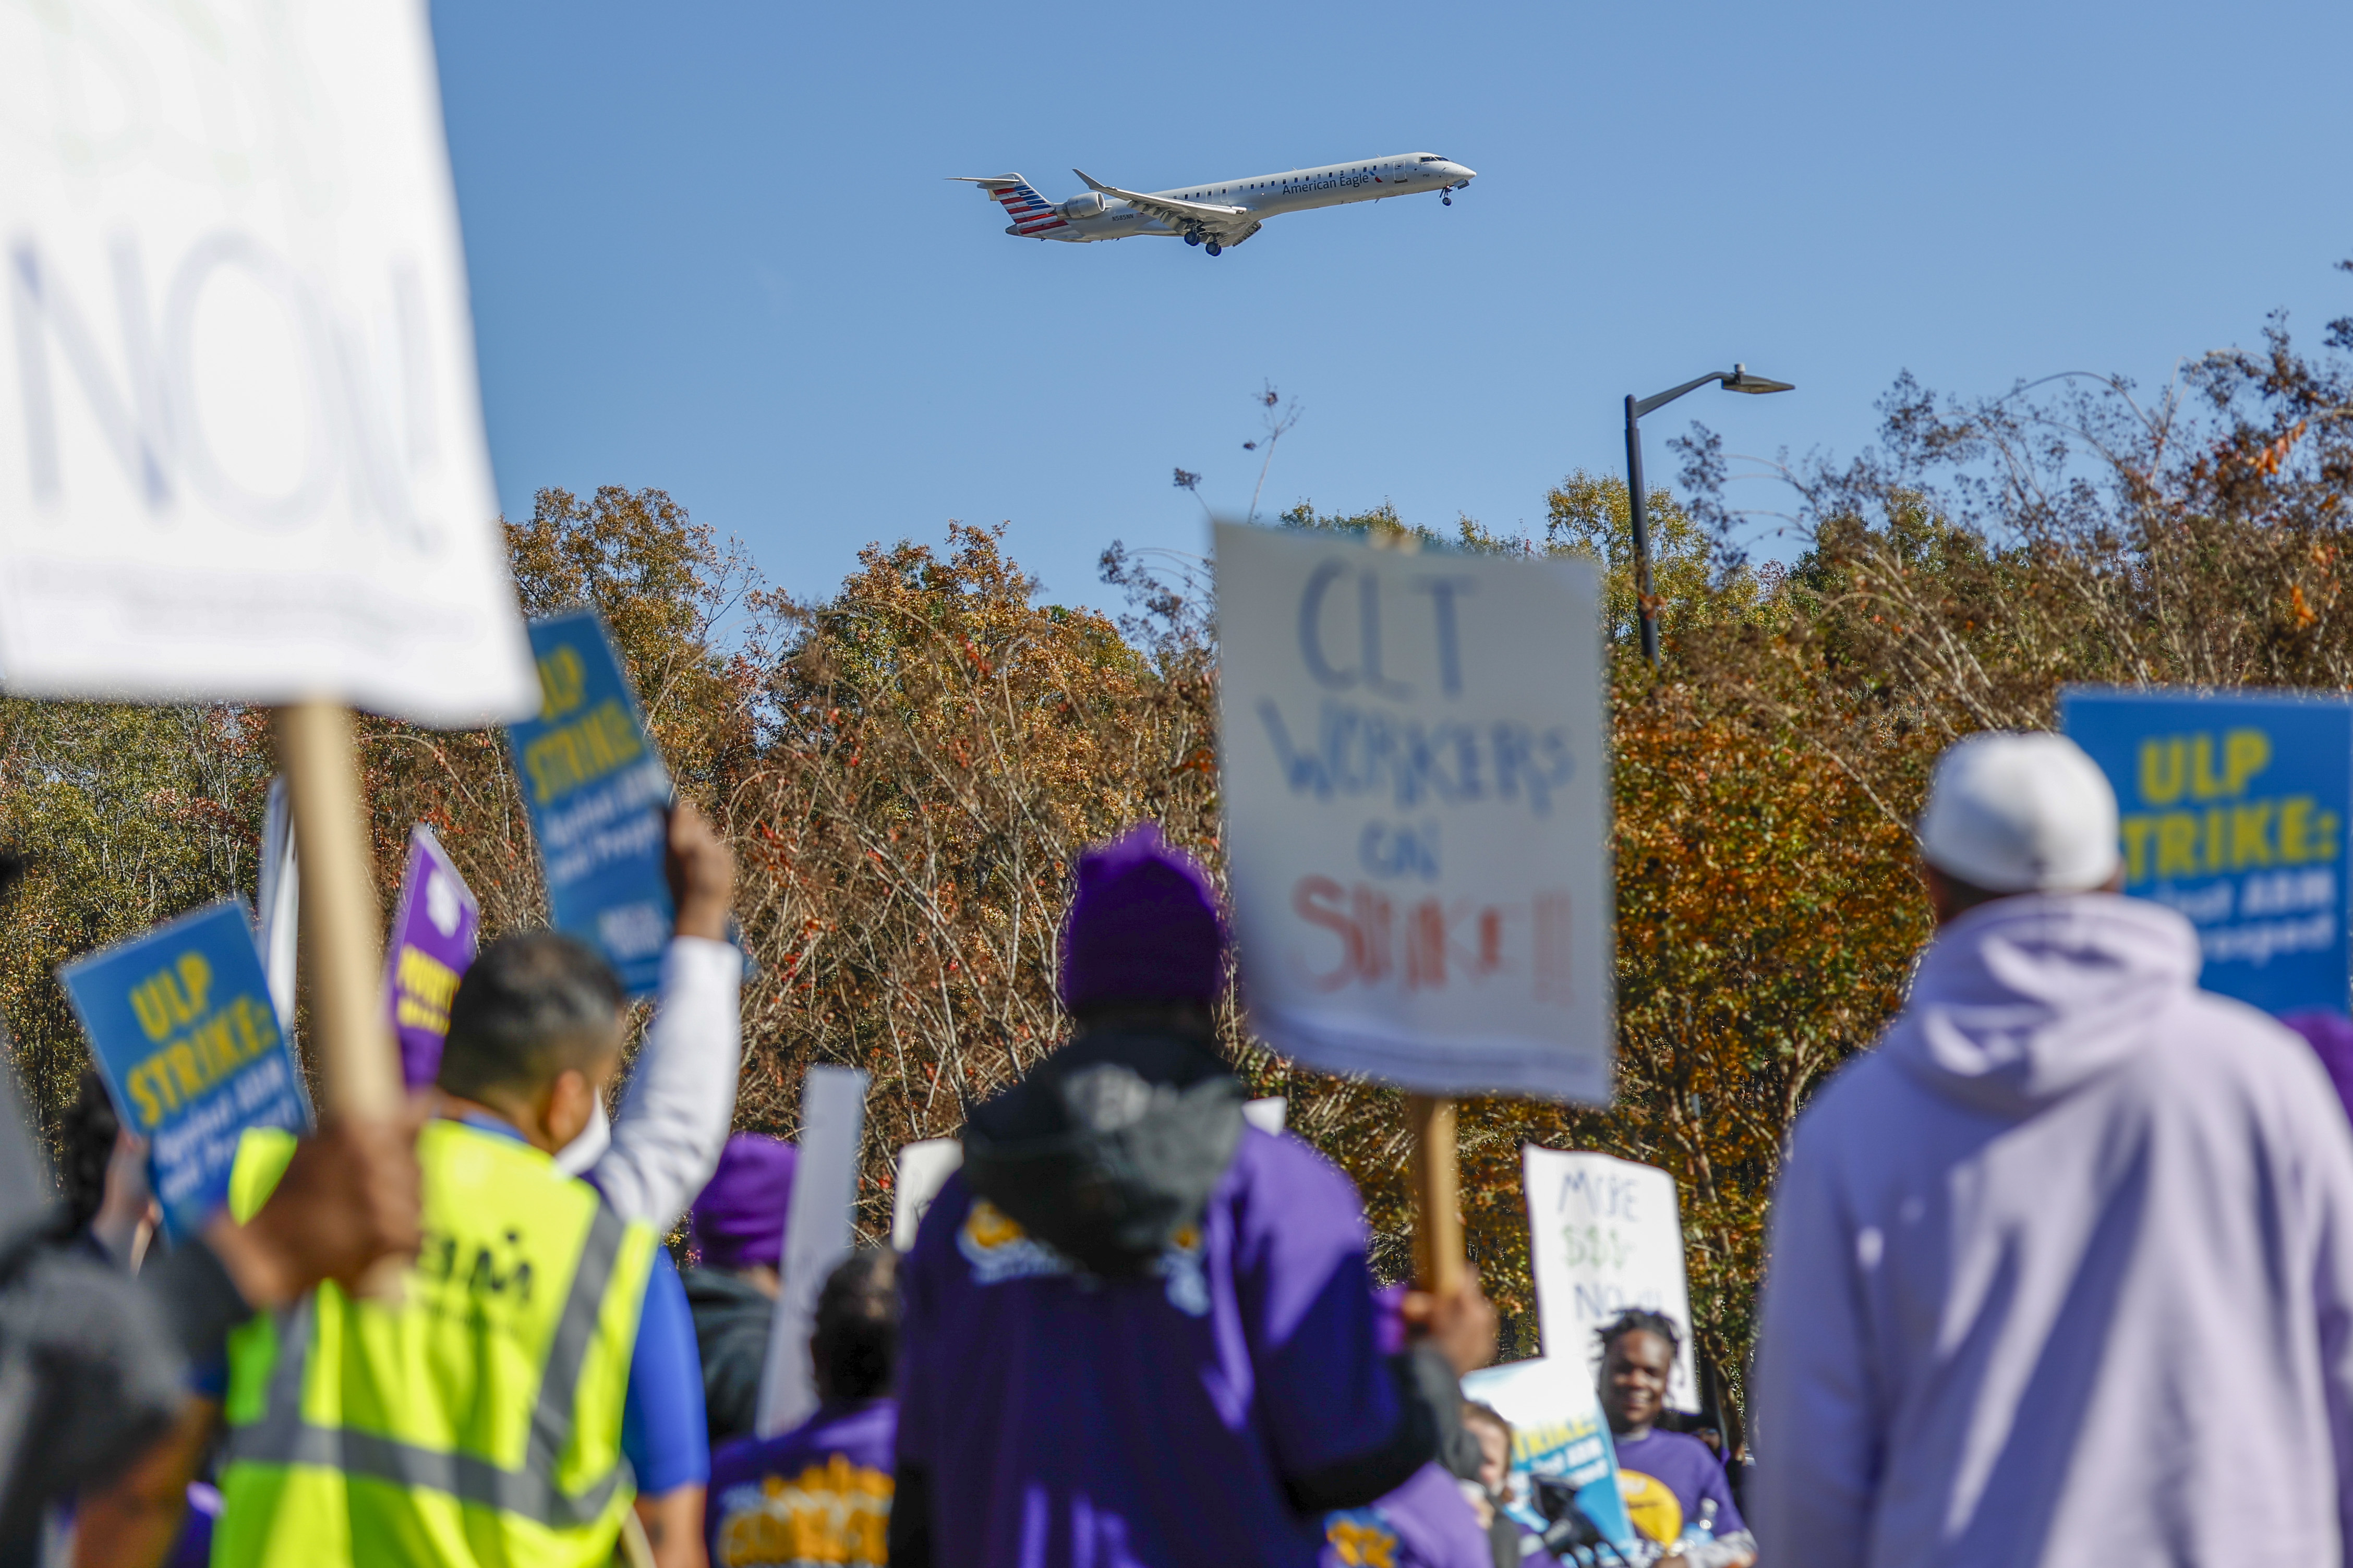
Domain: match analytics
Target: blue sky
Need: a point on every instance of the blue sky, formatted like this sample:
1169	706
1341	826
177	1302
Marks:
714	247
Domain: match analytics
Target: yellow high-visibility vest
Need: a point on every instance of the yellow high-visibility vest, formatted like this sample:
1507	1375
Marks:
476	1419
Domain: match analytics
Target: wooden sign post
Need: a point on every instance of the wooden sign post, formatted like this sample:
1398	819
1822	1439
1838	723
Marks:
1438	1262
359	1070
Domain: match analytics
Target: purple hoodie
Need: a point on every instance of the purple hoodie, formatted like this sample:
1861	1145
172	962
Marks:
2061	1272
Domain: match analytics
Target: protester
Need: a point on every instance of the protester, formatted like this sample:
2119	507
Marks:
109	1216
1430	1521
96	1364
737	1232
108	1212
492	1410
2062	1272
822	1491
1493	1434
1674	1485
1137	1330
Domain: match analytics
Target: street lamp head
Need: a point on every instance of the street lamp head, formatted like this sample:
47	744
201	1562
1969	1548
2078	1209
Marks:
1741	381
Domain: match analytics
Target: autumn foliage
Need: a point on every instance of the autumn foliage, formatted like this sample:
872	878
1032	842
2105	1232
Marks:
908	767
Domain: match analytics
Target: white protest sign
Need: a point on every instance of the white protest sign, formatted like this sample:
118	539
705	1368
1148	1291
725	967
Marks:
1267	1115
241	450
816	1236
1603	1236
1416	812
925	1168
279	900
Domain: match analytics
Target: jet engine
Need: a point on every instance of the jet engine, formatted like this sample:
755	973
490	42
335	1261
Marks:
1085	207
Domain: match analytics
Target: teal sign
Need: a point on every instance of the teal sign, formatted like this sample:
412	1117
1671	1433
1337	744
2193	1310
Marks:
183	1031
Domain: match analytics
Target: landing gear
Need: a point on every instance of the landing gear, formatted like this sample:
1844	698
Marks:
1445	201
1193	237
1215	249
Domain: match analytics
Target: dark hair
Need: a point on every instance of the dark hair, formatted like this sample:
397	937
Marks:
86	1135
532	1006
1639	1320
855	1349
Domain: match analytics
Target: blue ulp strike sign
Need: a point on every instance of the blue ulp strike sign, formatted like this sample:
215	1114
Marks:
183	1031
2234	811
596	790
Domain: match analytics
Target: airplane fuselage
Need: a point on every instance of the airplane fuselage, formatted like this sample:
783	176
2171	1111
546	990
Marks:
1227	210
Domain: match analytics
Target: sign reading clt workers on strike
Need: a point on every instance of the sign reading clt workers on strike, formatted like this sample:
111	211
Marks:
1416	799
434	929
1604	1236
596	790
181	1025
241	452
2233	809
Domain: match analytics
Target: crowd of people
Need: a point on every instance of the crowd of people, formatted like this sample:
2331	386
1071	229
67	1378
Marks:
2061	1272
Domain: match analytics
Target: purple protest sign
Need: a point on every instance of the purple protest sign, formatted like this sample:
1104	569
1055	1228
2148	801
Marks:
433	935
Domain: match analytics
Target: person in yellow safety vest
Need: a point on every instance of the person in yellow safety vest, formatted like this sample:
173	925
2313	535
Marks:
477	1415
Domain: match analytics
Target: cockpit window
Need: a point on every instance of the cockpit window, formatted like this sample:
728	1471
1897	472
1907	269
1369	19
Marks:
1431	158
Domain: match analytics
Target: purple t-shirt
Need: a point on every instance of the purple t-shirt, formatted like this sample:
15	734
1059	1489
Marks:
1070	1422
1666	1477
818	1494
1425	1523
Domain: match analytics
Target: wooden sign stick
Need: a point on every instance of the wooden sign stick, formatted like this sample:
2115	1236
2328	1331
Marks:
1438	1265
357	1064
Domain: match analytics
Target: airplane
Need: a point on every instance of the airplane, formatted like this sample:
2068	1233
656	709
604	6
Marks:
1222	213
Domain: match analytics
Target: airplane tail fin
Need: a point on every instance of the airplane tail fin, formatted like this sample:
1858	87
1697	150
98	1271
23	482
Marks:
1031	212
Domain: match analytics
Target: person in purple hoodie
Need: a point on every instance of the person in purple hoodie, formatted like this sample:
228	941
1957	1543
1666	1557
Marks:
737	1227
1139	1334
822	1491
2063	1269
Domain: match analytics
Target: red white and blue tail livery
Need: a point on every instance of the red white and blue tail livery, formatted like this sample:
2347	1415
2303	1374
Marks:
1219	214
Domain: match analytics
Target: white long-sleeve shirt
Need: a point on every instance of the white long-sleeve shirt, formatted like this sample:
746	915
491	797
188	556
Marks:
665	1138
2062	1272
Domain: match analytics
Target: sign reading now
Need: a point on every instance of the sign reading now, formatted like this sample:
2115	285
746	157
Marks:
241	451
1416	812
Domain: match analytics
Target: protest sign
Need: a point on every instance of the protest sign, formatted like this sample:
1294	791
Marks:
1557	1433
277	921
816	1236
595	785
1604	1236
925	1168
2233	809
1416	802
434	928
241	452
183	1031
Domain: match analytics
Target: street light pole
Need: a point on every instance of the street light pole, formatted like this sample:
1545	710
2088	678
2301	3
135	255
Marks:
1643	607
1646	602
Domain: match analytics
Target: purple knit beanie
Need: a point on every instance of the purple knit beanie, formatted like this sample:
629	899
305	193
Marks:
739	1220
1143	926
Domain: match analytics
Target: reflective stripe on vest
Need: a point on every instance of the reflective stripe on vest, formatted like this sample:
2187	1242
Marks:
283	1437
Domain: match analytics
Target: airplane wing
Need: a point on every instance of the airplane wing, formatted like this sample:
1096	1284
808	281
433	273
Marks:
1227	226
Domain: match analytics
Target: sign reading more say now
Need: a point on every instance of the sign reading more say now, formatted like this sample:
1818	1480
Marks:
1417	810
241	450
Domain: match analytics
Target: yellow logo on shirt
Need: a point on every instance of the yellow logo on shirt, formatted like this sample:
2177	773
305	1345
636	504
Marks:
1652	1505
835	1514
1361	1541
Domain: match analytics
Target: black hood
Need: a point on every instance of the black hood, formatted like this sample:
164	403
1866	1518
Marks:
1110	1147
